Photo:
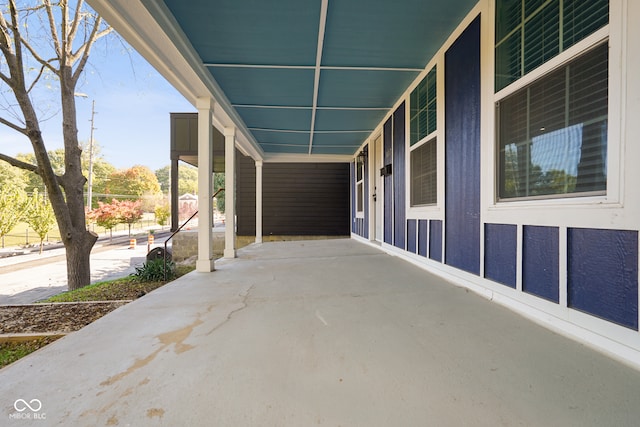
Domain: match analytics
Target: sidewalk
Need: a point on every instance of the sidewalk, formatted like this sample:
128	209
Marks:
25	279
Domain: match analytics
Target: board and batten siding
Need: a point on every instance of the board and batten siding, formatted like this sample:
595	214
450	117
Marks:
572	262
299	199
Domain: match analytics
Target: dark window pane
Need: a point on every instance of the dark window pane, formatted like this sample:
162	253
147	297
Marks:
508	17
528	33
423	108
508	61
424	167
582	18
542	37
553	133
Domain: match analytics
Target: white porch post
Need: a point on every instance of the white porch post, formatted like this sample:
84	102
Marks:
230	192
205	262
258	201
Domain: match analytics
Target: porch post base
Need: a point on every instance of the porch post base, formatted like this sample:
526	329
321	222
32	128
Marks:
205	265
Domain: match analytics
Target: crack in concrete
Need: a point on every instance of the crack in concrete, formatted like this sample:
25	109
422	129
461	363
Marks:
244	303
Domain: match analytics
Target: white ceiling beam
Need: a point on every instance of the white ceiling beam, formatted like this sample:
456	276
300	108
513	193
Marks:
316	81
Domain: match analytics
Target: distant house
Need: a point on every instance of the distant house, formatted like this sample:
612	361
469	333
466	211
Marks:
187	205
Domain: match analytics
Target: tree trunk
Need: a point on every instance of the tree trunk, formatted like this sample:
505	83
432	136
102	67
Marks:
78	256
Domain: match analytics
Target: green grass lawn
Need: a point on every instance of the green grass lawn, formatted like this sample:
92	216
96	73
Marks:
126	288
12	351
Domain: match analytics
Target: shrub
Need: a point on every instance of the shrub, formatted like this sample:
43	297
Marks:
153	271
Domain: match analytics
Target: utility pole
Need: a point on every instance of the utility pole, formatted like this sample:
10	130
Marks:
90	183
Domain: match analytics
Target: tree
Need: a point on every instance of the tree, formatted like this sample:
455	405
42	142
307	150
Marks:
129	212
162	213
106	216
70	33
101	168
12	208
133	183
164	178
218	183
11	179
40	216
187	178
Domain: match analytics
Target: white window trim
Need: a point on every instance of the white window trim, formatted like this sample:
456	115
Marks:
360	213
559	211
434	211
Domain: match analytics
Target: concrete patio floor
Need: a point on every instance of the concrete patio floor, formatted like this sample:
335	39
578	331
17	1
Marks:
330	332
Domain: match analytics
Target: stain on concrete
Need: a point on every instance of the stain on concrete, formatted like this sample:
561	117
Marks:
176	337
155	412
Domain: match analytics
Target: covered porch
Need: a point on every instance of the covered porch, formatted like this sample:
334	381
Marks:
331	332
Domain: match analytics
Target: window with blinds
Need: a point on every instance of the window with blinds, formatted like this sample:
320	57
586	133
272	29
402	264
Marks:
531	32
423	108
553	133
424	178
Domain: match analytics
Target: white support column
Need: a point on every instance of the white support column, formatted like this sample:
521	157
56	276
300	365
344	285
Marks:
258	201
205	262
230	192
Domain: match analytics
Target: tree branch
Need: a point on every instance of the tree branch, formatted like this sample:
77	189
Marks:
13	126
38	58
85	49
20	164
33	83
76	21
6	39
16	68
52	28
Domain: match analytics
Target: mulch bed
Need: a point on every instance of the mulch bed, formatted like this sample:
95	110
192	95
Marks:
53	317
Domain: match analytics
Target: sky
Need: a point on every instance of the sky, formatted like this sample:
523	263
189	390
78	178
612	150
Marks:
132	104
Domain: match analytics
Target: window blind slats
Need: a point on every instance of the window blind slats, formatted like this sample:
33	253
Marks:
582	18
423	108
537	24
542	35
553	133
424	184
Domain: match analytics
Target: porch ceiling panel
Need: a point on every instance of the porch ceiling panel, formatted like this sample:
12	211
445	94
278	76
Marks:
285	149
283	32
352	139
314	77
282	139
342	149
293	119
347	120
389	33
266	86
362	88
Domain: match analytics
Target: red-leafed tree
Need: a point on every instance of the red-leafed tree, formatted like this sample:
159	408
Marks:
106	216
129	212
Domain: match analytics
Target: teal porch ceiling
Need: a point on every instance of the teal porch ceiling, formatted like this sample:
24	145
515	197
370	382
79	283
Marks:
315	76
